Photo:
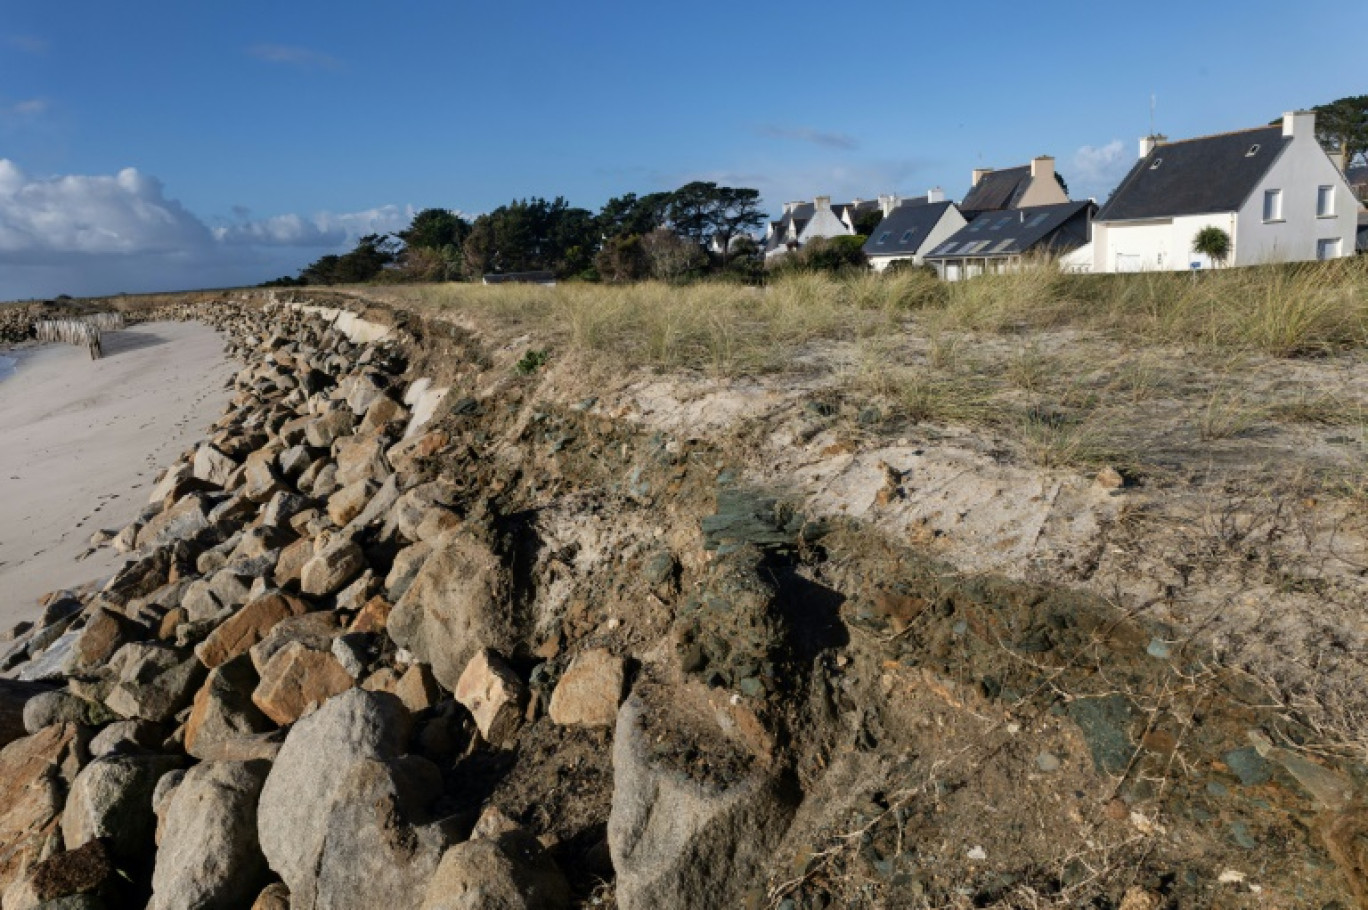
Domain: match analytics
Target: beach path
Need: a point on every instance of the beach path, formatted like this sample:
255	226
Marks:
81	443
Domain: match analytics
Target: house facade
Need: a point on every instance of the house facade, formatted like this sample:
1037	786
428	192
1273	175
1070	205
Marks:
803	222
1273	190
912	229
1002	241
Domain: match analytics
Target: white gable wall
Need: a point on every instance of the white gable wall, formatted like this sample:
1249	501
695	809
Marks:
950	221
824	223
1300	169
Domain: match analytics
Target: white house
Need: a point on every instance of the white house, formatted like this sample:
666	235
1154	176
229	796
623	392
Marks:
911	228
1272	189
802	222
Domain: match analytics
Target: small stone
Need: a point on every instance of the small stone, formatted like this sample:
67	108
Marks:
509	871
332	567
352	651
1137	898
1110	479
417	688
213	466
589	691
372	617
298	680
241	631
313	630
274	896
1047	762
493	694
347	503
977	854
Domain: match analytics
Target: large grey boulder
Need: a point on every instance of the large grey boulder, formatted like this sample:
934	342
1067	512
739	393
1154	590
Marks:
154	681
509	871
209	856
59	706
684	843
343	817
112	798
458	604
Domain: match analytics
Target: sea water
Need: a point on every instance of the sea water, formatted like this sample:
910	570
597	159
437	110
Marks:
7	365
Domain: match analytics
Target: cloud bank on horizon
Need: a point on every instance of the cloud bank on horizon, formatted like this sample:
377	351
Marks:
100	234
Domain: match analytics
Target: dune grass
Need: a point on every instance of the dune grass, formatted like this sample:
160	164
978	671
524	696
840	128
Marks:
1283	311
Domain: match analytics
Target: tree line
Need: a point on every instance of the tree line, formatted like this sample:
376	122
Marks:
699	229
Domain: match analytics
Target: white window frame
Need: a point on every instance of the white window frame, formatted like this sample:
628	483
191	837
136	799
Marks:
1328	248
1325	202
1272	210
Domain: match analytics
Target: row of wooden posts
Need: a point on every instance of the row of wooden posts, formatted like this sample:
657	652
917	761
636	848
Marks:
82	330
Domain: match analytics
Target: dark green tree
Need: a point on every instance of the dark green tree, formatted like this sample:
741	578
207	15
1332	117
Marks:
532	235
1213	242
631	214
434	229
1343	125
867	222
702	211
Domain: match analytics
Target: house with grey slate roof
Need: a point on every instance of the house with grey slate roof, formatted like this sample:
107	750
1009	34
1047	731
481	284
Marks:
911	230
804	221
1272	189
1002	241
1014	188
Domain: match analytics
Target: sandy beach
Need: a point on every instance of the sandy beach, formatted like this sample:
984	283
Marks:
81	442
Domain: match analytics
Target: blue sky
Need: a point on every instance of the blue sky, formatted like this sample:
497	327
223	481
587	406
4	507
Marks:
157	145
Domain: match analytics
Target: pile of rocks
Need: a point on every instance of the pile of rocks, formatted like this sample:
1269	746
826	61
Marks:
260	703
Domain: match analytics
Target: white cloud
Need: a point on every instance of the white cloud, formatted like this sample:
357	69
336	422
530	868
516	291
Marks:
60	216
81	234
293	55
1096	170
323	229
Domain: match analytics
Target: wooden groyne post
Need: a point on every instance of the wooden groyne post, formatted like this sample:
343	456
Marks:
81	330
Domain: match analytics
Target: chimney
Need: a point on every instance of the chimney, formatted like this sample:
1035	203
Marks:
979	174
1042	167
790	206
823	203
1149	143
935	194
888	203
1299	123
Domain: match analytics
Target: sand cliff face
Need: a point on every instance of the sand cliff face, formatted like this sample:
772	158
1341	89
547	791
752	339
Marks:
414	627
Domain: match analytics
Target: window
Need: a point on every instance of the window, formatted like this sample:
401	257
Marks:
1328	249
1272	205
1037	220
1155	165
978	224
1325	202
907	235
1253	150
883	237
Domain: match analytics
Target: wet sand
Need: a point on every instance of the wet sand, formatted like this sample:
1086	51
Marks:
81	443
